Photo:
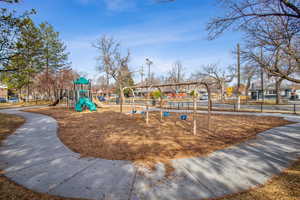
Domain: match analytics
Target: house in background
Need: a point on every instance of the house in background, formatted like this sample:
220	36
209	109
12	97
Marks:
3	91
295	92
287	92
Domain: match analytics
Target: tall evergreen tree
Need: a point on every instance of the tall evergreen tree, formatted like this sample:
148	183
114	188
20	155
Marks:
54	56
27	61
10	28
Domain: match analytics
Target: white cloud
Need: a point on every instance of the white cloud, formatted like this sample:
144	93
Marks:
120	5
112	5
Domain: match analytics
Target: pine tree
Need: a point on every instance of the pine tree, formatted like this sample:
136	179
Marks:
27	61
10	28
54	57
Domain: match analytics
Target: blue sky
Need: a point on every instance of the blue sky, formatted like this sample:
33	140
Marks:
163	32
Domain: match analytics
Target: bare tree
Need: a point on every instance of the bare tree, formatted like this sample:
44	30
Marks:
58	81
176	73
248	74
272	26
213	74
101	82
114	63
240	14
273	64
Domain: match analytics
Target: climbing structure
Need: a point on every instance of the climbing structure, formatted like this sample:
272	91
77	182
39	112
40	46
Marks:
83	95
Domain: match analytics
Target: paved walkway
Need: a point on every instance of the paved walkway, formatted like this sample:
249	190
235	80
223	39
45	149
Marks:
35	158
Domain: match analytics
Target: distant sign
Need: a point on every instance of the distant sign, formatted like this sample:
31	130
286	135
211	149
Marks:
229	91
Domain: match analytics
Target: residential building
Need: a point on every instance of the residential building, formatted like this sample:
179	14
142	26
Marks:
3	91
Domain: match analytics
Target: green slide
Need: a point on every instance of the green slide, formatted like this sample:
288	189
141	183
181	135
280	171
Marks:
84	101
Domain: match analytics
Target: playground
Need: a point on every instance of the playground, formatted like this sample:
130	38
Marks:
118	136
147	136
82	147
96	149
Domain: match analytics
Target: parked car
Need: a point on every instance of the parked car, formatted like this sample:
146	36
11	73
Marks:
13	100
3	100
204	97
101	98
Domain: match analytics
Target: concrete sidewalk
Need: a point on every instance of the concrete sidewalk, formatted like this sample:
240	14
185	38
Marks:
35	158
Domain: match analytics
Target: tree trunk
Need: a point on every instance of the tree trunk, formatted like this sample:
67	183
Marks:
194	114
20	95
147	107
209	103
278	90
28	92
247	89
121	98
222	92
160	105
47	78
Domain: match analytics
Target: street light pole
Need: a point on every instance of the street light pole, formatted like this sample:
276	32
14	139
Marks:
149	63
142	74
238	77
262	77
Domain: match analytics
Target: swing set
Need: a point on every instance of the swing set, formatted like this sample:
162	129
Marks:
193	93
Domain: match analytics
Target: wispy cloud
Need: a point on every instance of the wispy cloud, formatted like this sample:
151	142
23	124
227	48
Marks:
120	5
112	5
163	39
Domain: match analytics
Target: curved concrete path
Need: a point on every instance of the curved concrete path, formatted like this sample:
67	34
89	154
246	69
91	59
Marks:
35	158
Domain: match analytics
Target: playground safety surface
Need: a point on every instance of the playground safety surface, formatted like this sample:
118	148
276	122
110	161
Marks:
115	136
36	159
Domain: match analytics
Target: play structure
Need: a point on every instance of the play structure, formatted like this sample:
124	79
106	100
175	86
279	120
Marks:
80	97
191	89
83	95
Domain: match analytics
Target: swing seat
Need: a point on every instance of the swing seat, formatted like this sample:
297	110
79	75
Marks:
183	117
166	114
134	112
143	112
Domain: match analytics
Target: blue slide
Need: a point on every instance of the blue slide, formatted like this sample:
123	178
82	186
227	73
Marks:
84	101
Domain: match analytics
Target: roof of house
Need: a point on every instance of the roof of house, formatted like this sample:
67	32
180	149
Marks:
296	87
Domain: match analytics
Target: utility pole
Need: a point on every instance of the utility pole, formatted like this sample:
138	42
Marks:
262	77
178	74
149	63
238	76
107	81
142	74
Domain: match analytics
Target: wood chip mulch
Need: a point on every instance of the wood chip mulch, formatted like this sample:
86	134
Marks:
117	136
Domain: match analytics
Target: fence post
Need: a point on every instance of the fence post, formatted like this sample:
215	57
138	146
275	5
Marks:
234	109
295	109
261	107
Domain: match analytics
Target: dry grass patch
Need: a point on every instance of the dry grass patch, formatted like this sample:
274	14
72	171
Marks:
23	104
8	124
112	135
12	191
